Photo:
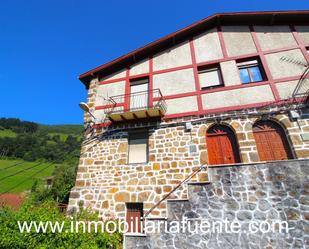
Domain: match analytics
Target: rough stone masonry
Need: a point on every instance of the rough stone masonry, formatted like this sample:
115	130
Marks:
105	181
258	192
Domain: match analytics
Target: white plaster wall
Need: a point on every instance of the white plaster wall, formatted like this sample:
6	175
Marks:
108	90
286	89
238	40
272	37
181	105
207	46
230	73
303	32
140	67
235	97
180	81
280	68
116	75
174	57
99	116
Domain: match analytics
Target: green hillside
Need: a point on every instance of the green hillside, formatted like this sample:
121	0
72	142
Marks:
53	130
7	133
32	142
63	131
24	144
66	129
18	175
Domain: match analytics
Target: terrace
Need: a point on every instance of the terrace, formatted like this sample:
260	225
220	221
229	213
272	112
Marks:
137	105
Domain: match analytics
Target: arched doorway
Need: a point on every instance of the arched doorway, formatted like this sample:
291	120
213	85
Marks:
222	145
271	141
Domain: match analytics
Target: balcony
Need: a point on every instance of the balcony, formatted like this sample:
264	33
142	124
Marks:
136	106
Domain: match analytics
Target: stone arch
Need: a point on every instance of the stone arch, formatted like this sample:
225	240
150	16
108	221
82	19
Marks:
271	140
236	126
222	144
285	123
201	132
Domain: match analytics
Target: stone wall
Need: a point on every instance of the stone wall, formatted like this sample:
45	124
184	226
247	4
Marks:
270	192
105	181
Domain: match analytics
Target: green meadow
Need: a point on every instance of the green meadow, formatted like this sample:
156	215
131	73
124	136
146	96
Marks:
18	175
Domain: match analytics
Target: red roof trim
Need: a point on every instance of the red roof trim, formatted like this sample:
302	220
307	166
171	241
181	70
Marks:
183	30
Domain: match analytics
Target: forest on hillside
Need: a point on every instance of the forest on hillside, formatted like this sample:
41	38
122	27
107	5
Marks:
31	141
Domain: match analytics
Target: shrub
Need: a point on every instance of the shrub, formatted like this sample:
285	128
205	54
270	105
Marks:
11	237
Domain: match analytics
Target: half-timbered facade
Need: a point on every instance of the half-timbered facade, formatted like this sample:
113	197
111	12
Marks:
229	89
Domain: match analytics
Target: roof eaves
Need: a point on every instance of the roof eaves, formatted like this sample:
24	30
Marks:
217	18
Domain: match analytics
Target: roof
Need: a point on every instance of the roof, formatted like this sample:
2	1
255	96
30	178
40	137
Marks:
257	18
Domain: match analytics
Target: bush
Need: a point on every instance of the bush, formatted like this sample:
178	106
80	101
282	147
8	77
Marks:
11	237
63	181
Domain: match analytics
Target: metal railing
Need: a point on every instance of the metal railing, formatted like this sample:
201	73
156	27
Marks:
302	87
189	177
137	101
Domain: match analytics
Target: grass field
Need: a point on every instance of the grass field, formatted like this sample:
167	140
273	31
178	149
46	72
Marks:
7	133
24	179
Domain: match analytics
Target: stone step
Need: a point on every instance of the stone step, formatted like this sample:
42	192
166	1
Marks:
136	242
259	192
176	209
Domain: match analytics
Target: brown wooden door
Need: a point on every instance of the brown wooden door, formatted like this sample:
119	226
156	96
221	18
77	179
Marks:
222	145
271	141
134	217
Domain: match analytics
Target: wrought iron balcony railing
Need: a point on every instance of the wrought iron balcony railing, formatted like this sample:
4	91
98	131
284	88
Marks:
138	105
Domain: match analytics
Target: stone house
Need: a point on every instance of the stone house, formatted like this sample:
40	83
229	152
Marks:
229	89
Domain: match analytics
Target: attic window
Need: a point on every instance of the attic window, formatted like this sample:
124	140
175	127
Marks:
210	77
250	71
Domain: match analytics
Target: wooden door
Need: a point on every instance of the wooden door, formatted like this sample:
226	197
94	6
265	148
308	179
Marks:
134	217
222	146
271	141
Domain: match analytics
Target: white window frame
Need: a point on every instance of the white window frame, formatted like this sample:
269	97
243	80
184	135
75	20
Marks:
247	65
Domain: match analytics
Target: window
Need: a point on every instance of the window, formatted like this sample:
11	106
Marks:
210	78
138	147
139	93
250	71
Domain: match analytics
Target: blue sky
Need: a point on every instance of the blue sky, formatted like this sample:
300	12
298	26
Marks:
46	44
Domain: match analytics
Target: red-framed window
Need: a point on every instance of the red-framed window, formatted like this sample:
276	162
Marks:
251	70
210	77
